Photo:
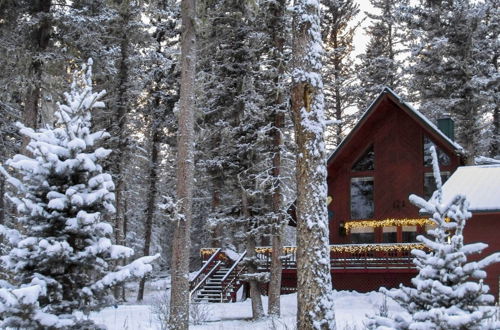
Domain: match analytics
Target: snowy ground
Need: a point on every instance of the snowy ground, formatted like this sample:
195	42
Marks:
351	309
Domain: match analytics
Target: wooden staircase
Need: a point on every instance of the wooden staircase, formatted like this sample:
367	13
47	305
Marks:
218	279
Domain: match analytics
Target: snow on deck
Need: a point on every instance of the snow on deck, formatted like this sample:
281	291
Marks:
480	184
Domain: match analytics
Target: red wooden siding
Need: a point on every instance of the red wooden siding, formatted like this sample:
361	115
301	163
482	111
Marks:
399	170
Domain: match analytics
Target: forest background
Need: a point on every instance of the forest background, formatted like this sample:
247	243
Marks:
440	55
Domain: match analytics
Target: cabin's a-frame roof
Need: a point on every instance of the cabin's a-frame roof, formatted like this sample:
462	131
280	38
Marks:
416	115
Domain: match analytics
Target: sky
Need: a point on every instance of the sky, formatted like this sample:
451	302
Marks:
360	39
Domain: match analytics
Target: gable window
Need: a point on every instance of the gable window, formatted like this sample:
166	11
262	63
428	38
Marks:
444	159
366	162
430	183
362	206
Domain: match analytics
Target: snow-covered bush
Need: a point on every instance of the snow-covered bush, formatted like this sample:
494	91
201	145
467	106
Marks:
61	254
448	291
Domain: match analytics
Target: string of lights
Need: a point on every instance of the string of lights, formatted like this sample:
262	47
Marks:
340	248
387	223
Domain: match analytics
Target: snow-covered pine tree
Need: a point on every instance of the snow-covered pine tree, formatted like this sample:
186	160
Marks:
452	71
338	65
379	66
448	291
61	248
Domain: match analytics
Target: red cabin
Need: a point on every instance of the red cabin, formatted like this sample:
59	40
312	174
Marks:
373	227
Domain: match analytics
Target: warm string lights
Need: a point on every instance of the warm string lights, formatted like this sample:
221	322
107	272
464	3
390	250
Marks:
207	252
387	223
340	248
364	248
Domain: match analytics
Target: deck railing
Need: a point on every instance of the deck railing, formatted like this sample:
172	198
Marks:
392	256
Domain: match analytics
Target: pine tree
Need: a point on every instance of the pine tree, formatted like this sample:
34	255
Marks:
338	68
379	66
448	291
314	300
60	257
452	72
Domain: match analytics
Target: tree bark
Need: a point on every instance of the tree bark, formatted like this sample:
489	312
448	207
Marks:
181	245
278	24
152	192
2	201
119	130
495	141
40	38
314	301
252	267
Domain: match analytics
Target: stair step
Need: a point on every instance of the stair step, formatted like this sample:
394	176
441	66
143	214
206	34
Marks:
210	291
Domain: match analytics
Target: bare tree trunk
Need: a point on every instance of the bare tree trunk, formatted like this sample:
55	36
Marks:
2	200
181	245
120	131
495	144
152	192
255	294
314	300
40	38
274	292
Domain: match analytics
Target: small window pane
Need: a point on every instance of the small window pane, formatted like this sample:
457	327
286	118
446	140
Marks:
409	234
366	162
443	158
362	198
430	183
390	234
362	235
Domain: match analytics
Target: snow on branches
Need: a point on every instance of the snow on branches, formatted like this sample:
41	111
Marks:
448	292
60	252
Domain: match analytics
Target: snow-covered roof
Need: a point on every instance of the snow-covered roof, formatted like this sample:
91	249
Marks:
480	184
409	109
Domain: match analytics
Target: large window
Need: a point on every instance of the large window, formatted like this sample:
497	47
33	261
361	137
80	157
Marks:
362	235
443	158
430	183
362	206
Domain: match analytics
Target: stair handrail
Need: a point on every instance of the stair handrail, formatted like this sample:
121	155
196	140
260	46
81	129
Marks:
198	286
204	268
234	266
224	287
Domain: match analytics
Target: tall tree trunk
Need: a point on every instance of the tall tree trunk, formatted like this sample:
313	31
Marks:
152	192
120	130
181	245
2	200
495	143
255	294
314	300
40	38
338	98
274	292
